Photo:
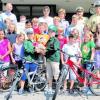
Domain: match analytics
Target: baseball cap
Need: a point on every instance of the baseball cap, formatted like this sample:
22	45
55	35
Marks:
53	28
29	31
79	9
97	3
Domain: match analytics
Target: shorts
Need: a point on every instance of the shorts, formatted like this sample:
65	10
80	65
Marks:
30	67
52	69
71	75
89	67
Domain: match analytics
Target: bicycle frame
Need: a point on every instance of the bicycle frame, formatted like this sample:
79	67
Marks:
81	79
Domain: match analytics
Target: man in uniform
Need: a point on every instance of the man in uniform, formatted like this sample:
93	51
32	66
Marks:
94	19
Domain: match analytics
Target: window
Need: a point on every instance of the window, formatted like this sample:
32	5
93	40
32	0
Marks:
31	11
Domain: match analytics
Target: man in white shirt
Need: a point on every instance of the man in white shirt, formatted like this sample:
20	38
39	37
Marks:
46	18
9	14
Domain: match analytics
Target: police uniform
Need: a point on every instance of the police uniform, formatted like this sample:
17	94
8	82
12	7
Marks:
94	19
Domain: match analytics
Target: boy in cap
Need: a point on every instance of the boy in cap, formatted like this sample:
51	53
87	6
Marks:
29	52
52	56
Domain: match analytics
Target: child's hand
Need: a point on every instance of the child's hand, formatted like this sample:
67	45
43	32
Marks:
13	61
1	57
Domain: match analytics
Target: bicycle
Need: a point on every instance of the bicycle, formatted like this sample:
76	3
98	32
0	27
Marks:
5	79
93	82
36	80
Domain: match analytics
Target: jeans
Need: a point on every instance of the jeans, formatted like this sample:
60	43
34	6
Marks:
88	66
29	67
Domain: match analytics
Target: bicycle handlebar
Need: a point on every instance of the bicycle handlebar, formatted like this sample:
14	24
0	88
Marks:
25	60
89	61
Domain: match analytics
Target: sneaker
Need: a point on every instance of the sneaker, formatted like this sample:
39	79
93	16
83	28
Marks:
30	90
85	89
21	91
89	92
71	91
50	91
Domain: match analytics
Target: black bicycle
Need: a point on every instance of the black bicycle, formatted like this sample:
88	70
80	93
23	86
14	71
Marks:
36	79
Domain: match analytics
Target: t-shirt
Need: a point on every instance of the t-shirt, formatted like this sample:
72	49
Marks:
41	38
86	49
48	20
19	50
4	49
71	49
62	41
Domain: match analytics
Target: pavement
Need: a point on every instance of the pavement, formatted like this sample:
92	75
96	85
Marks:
41	96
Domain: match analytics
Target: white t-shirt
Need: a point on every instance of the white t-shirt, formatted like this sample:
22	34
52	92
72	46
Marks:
19	50
9	15
48	20
71	49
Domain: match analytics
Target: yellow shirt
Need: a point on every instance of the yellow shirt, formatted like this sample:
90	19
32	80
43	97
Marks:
93	21
41	38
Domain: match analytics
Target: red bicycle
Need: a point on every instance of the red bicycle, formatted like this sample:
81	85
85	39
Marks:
93	82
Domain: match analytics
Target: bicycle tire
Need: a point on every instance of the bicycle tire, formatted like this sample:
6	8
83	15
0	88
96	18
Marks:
41	82
6	86
95	88
60	82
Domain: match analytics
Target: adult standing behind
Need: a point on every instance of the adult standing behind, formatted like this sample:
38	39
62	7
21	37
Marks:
94	19
9	14
46	18
80	13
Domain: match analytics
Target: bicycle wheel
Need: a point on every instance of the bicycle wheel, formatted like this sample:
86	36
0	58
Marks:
95	87
60	82
6	81
40	81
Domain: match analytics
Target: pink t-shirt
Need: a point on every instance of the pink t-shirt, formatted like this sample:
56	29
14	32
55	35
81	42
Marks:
62	41
4	49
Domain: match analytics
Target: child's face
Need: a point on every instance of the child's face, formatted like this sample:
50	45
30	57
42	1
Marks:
12	28
56	22
86	37
61	15
21	38
30	36
71	40
42	28
28	25
60	32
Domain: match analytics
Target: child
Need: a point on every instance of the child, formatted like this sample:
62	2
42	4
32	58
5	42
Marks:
88	52
97	42
35	23
72	49
18	49
52	56
61	37
29	54
11	34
